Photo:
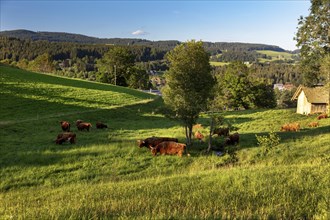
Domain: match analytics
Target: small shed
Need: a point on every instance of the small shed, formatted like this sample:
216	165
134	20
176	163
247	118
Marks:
311	100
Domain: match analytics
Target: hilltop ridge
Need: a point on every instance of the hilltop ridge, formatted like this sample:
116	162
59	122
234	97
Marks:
83	39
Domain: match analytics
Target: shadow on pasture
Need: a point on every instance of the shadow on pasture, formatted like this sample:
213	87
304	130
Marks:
249	140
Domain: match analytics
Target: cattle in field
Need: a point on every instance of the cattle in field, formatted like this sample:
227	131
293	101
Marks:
291	127
84	126
232	139
197	126
100	125
199	136
66	136
65	125
78	122
322	116
154	141
221	131
170	148
313	124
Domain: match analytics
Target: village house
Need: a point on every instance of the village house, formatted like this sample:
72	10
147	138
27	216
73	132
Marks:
312	100
281	87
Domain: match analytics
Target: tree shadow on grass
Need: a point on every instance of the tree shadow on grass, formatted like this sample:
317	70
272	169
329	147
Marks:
249	140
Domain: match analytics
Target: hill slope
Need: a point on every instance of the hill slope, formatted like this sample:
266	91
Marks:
170	44
104	175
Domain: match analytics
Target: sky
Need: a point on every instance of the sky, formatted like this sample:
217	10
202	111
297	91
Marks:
271	22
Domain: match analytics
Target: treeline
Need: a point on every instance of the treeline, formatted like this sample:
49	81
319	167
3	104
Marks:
97	62
212	48
271	73
16	49
220	47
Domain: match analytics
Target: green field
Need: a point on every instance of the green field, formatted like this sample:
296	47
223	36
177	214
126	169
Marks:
106	176
214	63
275	55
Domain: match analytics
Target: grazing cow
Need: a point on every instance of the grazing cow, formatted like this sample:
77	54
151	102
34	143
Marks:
232	139
154	141
322	116
78	122
221	131
199	136
169	147
65	125
313	124
84	126
100	125
291	127
66	136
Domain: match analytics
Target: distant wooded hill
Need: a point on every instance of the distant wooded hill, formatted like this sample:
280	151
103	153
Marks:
213	48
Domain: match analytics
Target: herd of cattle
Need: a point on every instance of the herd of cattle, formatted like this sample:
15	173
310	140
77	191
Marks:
296	126
168	145
69	136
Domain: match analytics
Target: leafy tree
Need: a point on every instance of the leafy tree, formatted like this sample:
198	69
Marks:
314	40
234	87
114	66
139	78
42	63
189	83
263	96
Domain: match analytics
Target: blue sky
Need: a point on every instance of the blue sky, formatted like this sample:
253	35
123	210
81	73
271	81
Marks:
260	21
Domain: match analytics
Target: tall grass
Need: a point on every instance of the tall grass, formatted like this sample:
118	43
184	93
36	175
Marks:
105	175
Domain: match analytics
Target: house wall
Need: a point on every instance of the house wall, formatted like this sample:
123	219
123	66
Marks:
319	108
303	106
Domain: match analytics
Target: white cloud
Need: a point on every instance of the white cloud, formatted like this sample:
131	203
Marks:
140	32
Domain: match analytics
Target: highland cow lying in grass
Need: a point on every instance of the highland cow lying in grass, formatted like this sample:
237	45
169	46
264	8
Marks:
291	127
313	124
66	136
322	116
100	125
169	147
232	139
199	136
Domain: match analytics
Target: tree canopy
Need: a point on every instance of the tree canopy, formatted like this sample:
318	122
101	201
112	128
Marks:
189	83
313	39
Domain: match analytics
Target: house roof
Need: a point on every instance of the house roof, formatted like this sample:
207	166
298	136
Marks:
316	95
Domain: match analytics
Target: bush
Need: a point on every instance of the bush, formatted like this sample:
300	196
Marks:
267	143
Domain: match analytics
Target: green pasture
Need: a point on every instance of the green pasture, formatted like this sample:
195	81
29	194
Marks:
275	55
106	176
214	63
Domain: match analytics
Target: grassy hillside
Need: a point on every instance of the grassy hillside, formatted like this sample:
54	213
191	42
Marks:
275	55
105	175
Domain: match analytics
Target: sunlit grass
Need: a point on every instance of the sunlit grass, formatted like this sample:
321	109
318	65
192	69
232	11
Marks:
105	175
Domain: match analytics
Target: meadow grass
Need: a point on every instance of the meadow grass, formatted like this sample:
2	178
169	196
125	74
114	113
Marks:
105	175
275	55
216	63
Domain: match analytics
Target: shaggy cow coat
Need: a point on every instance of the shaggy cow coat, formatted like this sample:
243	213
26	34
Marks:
169	147
66	136
65	125
100	125
232	139
84	126
154	141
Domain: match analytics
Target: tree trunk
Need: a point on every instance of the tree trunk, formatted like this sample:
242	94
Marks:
210	137
190	132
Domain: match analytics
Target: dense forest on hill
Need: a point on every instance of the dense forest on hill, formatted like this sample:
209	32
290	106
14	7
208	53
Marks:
213	48
88	60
